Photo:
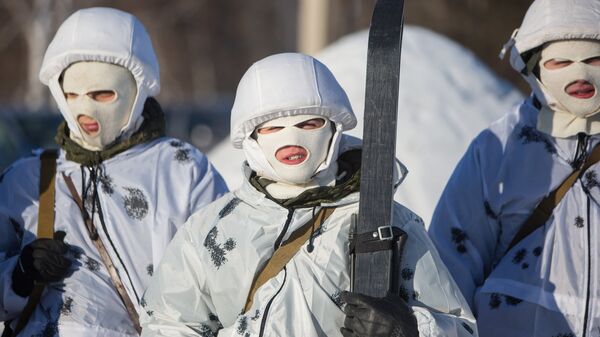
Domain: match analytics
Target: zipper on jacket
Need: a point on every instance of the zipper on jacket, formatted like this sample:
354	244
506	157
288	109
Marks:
589	269
285	228
275	246
264	318
580	151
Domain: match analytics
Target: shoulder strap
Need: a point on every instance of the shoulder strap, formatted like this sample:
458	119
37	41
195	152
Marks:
286	252
110	267
45	228
545	208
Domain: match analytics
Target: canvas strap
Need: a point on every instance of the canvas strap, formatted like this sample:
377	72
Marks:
45	228
286	252
545	208
112	270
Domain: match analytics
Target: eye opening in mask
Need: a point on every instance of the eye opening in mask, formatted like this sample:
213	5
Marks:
557	63
593	61
311	124
100	96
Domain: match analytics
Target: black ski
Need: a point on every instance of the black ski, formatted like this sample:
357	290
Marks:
374	240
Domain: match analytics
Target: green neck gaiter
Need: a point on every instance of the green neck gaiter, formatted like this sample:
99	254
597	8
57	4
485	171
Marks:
152	127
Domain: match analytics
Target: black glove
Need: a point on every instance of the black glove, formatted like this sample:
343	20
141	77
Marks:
368	316
43	260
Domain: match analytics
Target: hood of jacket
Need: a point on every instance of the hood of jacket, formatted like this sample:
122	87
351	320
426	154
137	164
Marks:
103	35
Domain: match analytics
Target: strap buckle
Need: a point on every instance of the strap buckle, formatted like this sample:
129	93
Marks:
385	233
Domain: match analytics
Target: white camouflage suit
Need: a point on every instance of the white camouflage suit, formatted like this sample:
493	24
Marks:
200	287
547	285
144	194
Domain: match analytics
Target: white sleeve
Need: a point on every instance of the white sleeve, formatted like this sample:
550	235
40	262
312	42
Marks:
13	188
430	290
207	184
176	302
463	213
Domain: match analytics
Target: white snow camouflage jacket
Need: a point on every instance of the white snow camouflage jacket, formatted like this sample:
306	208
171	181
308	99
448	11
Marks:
547	285
201	285
145	194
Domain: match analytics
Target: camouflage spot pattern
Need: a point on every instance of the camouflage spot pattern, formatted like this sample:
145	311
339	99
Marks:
217	251
67	306
495	301
92	264
459	237
183	155
242	325
590	180
512	300
530	134
407	274
229	207
336	298
135	203
176	143
579	223
519	256
106	184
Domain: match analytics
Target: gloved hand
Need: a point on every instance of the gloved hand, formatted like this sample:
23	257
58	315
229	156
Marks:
368	316
43	260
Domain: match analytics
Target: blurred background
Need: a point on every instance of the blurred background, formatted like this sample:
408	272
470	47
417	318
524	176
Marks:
452	85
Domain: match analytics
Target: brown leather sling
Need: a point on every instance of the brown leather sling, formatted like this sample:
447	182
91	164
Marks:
286	252
112	270
545	208
45	228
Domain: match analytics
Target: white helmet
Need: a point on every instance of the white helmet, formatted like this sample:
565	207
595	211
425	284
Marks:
287	85
547	21
102	35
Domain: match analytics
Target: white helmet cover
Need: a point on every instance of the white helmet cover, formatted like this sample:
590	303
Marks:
282	85
102	35
552	20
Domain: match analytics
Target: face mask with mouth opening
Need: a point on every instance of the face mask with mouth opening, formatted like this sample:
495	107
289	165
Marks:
100	99
295	146
570	76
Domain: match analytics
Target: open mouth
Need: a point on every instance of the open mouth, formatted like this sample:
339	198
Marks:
88	124
291	155
91	127
581	89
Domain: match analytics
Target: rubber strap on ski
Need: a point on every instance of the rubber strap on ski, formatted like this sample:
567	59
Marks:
373	270
383	239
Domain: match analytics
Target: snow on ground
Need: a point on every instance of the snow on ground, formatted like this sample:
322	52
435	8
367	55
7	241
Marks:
446	97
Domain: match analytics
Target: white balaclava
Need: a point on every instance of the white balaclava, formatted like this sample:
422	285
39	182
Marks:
290	85
564	86
567	31
295	153
80	82
105	47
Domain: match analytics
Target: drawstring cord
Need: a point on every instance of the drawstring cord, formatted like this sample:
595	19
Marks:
310	246
95	172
